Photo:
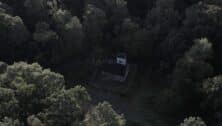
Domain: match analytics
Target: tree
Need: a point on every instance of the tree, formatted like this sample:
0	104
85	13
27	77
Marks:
191	70
8	103
14	27
43	33
46	42
203	19
5	8
75	6
116	11
3	67
104	115
161	20
94	22
34	121
13	5
71	33
184	96
134	40
14	34
38	97
114	8
193	121
194	66
30	85
9	122
66	107
173	48
41	8
212	103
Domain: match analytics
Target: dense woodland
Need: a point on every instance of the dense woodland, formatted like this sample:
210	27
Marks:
51	48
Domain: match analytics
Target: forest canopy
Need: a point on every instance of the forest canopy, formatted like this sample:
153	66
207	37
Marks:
171	51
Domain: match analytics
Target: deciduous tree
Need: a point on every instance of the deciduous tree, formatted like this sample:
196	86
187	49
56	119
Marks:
104	115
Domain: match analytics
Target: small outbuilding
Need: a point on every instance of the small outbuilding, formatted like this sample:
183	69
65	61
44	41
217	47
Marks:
121	59
116	70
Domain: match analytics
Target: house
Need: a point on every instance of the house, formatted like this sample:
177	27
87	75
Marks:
116	69
114	74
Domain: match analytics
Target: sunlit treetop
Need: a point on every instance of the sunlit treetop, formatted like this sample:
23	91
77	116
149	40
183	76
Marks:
193	121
